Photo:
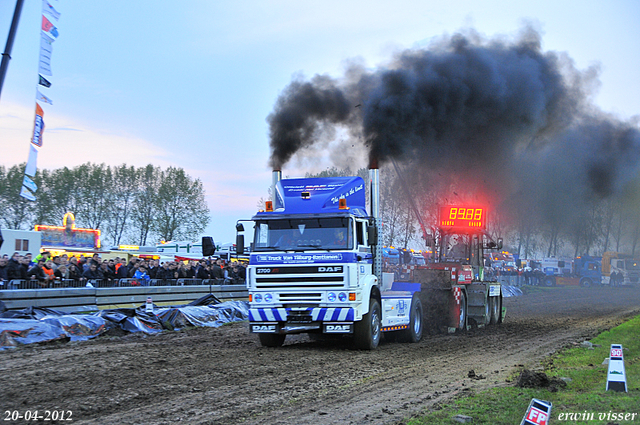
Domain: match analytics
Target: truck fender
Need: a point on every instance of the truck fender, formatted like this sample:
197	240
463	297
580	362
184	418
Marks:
371	289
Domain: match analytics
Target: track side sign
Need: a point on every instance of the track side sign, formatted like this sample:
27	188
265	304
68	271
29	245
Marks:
538	413
616	376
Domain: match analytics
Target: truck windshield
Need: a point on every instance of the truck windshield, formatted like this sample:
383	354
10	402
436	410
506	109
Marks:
303	234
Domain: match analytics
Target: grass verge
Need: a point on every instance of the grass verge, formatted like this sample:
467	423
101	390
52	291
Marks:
584	397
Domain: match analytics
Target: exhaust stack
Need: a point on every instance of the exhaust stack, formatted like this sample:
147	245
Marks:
276	176
374	202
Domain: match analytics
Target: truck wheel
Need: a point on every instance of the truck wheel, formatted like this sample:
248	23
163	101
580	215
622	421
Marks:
487	310
414	332
549	281
368	330
461	324
494	303
272	340
586	283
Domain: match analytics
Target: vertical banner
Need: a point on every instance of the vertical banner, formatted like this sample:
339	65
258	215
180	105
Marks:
48	34
38	126
30	169
46	48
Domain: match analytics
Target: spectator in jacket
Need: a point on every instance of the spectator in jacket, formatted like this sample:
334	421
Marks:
122	271
4	276
141	276
14	268
83	264
61	273
201	270
91	273
55	262
183	269
131	266
106	273
217	272
75	272
47	269
37	273
242	272
153	269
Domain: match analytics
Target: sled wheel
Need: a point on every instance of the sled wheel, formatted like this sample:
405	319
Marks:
461	324
495	304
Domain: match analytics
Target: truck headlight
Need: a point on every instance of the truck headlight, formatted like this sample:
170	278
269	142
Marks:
258	298
268	298
331	297
342	296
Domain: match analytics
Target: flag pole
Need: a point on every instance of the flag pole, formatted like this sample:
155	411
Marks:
6	56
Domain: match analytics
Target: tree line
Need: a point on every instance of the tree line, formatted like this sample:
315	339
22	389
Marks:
129	205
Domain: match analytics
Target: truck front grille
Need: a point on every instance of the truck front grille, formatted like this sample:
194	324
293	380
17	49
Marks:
300	277
300	298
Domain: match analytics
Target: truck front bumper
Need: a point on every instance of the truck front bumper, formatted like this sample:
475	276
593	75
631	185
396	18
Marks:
296	320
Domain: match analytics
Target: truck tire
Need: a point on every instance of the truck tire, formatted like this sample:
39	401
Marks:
415	330
487	310
272	340
586	282
368	331
495	305
549	281
462	319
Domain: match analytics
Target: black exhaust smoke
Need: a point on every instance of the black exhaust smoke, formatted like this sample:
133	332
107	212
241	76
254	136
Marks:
500	110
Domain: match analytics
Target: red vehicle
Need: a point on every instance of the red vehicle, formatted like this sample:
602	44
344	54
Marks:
454	277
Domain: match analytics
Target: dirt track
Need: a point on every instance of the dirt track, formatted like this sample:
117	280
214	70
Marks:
223	376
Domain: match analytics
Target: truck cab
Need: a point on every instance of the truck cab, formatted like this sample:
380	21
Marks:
311	267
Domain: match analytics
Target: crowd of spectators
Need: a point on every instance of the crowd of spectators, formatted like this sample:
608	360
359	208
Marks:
48	271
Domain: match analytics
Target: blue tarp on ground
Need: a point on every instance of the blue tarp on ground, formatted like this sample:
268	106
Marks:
511	291
39	325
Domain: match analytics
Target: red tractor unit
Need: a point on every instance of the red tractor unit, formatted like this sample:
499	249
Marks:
455	290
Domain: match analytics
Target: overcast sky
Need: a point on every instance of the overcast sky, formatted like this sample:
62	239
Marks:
190	83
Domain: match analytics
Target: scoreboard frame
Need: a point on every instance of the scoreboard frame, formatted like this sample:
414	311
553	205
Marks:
462	217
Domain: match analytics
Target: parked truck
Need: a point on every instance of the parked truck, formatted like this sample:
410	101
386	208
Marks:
624	266
316	267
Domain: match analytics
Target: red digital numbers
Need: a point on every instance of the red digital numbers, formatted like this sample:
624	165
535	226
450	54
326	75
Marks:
464	217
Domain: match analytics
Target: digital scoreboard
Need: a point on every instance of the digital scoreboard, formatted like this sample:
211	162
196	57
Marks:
462	217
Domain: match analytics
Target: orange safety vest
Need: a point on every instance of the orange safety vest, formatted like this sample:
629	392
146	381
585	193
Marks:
48	273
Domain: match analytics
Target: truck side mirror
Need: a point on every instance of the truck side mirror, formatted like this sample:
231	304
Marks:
208	246
499	243
372	235
240	244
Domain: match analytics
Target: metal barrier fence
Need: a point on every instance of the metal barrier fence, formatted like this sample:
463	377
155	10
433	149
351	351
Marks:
85	298
109	283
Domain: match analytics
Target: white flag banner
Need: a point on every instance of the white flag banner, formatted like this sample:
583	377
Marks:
29	184
30	169
47	8
46	47
24	192
43	98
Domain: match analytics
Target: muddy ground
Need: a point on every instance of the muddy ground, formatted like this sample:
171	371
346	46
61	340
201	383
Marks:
223	375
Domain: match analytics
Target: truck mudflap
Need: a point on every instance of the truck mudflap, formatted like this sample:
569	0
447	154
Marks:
302	315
